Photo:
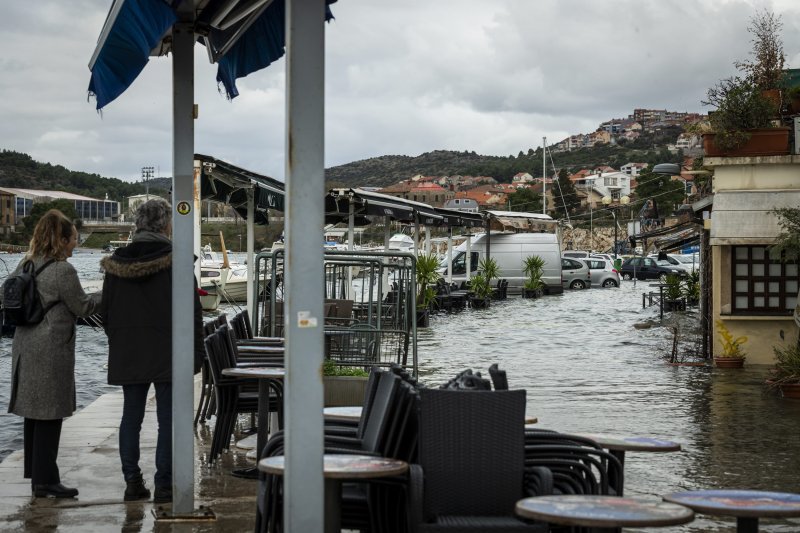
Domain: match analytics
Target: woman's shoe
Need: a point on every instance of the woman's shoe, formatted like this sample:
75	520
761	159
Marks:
136	490
56	490
162	494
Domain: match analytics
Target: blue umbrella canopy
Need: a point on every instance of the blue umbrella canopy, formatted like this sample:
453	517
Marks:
242	37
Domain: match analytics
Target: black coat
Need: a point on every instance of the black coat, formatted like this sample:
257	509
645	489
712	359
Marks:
137	314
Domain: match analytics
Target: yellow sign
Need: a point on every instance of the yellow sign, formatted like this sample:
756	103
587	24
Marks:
183	208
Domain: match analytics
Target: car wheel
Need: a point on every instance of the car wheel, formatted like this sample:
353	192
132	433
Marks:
627	276
609	283
577	285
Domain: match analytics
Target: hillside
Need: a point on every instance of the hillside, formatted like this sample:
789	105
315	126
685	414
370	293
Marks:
20	170
386	170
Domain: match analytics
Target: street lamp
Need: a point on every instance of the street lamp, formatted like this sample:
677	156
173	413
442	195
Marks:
613	209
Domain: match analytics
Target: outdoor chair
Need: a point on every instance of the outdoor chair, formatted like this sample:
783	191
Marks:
470	471
387	425
240	323
207	404
499	379
578	464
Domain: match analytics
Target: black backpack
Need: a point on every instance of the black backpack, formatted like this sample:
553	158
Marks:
22	305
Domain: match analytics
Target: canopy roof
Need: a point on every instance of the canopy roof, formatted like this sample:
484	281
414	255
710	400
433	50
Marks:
226	183
369	203
521	220
241	36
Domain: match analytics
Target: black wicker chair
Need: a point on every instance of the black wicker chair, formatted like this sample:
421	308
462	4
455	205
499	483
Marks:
470	470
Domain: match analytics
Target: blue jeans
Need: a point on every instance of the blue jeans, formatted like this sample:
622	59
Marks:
131	425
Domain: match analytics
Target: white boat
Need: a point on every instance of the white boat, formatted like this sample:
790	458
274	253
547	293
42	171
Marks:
401	242
220	277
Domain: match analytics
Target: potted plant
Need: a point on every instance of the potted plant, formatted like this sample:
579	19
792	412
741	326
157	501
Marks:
533	267
481	290
741	124
691	288
427	276
343	385
732	353
786	372
746	105
673	294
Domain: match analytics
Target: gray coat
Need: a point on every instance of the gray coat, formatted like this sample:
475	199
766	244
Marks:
43	356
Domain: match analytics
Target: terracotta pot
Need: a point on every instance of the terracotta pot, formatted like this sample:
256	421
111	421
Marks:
729	362
765	141
788	390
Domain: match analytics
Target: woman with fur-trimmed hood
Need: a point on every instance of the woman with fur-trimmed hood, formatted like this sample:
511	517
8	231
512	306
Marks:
137	316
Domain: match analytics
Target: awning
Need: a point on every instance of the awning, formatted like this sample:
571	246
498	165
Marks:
228	184
456	218
521	220
242	36
746	217
365	203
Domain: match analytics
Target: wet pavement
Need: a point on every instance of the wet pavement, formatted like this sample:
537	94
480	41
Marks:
89	460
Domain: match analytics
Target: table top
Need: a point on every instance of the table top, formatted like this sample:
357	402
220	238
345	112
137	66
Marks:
351	413
752	503
344	466
632	444
258	372
603	511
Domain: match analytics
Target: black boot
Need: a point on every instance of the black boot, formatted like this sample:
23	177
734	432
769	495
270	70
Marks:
136	490
163	494
56	490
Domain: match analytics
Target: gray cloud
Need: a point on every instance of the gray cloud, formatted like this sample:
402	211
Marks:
401	78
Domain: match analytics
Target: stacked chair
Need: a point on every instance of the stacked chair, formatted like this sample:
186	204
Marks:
233	395
387	428
207	404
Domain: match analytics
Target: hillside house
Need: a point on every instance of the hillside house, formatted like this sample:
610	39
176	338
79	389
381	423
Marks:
633	169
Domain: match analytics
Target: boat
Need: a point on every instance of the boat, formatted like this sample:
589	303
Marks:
219	276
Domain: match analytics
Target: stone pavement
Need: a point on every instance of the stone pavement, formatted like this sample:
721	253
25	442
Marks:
89	460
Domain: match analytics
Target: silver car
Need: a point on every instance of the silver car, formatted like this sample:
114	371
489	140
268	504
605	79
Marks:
575	274
602	272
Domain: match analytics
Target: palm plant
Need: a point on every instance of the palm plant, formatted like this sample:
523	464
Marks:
488	267
533	267
427	276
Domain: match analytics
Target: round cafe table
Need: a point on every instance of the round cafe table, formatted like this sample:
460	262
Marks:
746	505
607	512
338	468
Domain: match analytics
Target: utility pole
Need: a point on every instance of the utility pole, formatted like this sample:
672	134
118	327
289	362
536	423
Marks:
147	173
544	175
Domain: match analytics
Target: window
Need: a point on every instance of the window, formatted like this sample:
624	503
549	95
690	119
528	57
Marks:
460	262
761	285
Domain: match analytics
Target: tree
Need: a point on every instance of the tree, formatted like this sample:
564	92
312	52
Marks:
564	194
38	210
525	200
666	193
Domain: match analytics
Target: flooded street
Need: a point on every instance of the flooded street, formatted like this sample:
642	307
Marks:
586	370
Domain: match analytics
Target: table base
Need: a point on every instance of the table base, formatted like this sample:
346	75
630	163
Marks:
245	473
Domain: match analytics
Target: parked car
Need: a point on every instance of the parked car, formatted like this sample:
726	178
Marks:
648	268
602	256
575	274
602	272
676	261
577	254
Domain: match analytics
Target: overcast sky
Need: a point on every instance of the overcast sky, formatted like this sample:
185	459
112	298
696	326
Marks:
402	78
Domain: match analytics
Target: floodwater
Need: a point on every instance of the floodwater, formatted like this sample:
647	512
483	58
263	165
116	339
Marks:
586	369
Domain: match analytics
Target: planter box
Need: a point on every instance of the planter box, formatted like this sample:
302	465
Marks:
788	390
480	303
423	318
532	293
343	391
767	141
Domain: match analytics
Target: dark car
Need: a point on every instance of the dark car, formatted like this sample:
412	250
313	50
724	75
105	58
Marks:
647	268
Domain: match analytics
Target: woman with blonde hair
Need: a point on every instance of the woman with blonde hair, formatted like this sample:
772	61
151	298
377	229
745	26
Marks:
43	354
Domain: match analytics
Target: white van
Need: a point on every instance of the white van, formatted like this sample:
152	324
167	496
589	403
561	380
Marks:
510	251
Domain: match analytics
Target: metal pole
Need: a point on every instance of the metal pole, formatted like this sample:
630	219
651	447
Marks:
449	254
469	254
182	261
305	183
252	282
615	232
544	175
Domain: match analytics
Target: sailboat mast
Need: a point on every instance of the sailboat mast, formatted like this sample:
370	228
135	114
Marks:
544	175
